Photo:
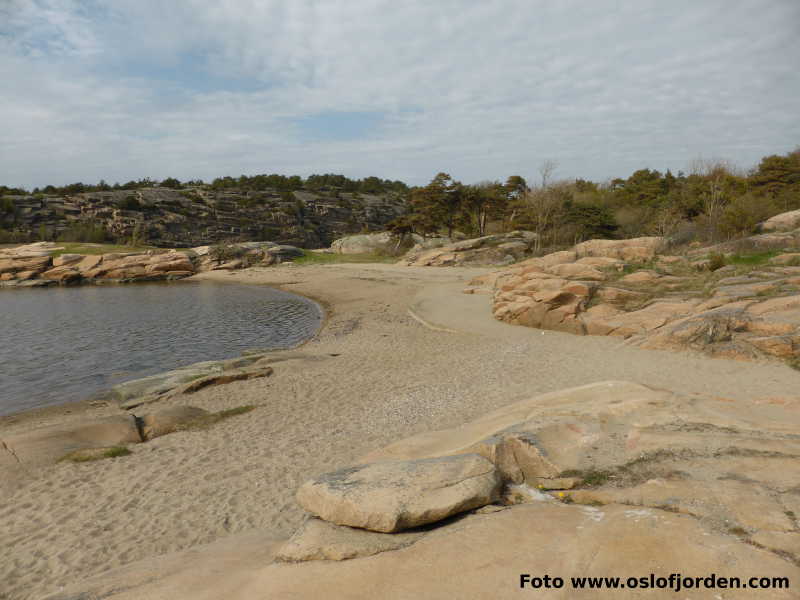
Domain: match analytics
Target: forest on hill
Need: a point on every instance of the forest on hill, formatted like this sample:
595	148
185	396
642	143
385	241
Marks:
309	212
712	201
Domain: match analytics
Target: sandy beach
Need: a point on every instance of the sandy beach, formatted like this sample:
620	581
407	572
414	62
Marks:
402	351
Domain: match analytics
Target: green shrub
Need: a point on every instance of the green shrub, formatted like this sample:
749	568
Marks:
129	203
716	261
91	454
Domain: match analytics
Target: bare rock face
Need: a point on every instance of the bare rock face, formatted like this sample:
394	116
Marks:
731	465
483	556
46	445
66	259
188	379
645	482
499	249
635	249
396	495
26	268
14	265
320	540
64	274
369	243
783	222
592	290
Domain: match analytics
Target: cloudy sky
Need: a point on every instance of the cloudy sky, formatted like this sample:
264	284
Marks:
402	89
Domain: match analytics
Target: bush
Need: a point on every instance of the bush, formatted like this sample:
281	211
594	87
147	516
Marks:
742	215
129	203
225	252
87	232
716	261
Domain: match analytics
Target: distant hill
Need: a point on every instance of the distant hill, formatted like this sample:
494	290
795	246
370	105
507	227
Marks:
199	215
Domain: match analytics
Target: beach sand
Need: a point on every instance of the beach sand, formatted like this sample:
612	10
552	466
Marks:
402	351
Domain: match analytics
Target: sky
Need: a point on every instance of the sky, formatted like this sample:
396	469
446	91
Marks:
399	89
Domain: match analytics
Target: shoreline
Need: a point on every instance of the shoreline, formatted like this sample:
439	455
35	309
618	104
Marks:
371	376
97	399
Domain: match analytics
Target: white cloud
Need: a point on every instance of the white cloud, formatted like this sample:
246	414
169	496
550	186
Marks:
135	88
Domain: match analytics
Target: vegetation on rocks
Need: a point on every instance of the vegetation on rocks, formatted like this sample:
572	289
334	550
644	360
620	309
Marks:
92	454
735	305
712	202
290	210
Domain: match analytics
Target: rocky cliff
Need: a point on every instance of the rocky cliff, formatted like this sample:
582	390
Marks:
197	216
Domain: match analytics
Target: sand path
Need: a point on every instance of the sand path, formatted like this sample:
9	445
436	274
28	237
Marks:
391	377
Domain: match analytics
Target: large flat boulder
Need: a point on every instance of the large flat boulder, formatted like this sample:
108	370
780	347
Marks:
319	540
646	482
786	221
497	249
481	556
600	288
169	419
367	243
485	556
128	393
396	495
46	445
15	265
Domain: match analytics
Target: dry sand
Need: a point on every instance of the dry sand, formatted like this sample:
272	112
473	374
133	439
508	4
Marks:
373	375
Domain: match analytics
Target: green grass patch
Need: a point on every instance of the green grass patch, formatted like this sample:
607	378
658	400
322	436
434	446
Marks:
632	267
92	454
319	258
86	248
752	259
210	419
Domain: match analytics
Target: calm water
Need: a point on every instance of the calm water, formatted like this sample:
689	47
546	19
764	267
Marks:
62	344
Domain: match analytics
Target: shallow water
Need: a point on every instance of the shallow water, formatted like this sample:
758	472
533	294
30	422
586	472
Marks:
62	344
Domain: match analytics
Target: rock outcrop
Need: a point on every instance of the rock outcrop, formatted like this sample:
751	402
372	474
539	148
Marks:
625	288
32	265
384	243
787	221
189	379
49	444
195	216
397	495
657	483
498	249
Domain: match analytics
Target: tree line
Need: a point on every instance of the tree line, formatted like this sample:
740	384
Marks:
713	201
283	183
710	202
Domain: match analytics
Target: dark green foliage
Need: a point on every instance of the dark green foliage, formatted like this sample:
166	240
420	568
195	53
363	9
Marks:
716	261
437	205
7	206
590	221
7	191
129	203
328	182
752	259
221	253
85	232
171	182
712	203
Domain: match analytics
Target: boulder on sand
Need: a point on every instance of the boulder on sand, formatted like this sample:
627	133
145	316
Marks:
43	446
396	495
168	420
320	540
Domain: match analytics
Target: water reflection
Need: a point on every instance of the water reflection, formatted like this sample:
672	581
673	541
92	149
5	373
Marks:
62	344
